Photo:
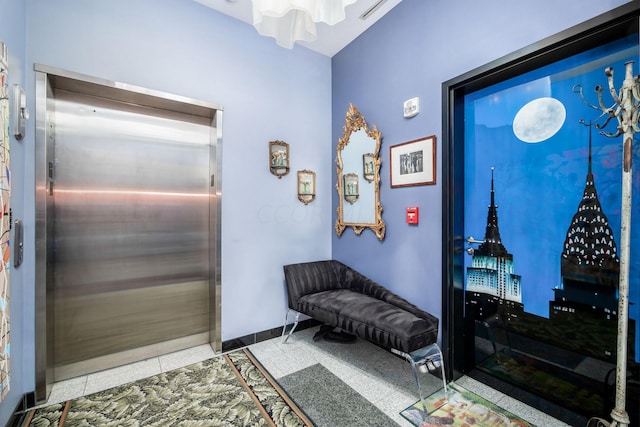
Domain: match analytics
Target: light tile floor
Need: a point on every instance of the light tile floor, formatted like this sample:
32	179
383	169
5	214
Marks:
362	366
92	383
382	378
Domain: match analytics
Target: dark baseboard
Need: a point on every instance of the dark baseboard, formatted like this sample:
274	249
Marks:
17	418
246	340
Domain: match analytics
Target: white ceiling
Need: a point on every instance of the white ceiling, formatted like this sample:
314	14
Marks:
331	39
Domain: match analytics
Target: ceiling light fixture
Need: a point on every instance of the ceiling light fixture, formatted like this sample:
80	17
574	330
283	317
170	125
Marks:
289	21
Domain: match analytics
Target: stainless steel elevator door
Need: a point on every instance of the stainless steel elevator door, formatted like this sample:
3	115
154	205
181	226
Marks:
131	240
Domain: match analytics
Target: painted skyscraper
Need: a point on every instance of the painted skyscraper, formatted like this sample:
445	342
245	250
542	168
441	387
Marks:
589	264
586	302
491	280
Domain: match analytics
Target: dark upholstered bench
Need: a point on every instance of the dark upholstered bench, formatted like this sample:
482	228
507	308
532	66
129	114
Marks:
337	295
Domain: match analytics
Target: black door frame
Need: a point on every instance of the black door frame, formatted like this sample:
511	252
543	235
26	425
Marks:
604	28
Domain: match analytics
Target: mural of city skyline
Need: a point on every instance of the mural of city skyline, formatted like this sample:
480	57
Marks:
584	310
533	151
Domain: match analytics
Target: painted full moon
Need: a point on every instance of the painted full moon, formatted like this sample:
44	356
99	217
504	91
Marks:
539	120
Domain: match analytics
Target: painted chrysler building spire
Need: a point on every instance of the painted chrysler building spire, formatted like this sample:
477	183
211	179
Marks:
589	255
491	270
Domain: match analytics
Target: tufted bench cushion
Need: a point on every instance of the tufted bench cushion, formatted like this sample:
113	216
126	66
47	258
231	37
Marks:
335	294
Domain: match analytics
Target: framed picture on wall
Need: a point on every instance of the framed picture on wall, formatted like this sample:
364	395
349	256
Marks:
413	162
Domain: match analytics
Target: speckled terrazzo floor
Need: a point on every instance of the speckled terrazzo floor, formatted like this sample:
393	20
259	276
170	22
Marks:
385	381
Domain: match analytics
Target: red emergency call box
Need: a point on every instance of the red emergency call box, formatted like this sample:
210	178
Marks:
412	215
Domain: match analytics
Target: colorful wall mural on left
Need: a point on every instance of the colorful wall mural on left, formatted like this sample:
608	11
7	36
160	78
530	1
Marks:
5	222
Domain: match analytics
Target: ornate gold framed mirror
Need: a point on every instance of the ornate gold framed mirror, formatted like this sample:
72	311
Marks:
358	168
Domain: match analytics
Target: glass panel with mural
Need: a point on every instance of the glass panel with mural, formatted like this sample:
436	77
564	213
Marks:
543	185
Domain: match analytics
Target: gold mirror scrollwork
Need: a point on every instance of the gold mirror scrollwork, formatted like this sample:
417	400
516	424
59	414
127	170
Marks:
358	168
279	158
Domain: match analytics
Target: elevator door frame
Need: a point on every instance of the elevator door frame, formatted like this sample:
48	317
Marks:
48	80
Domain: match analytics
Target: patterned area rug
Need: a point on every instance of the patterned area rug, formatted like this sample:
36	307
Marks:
231	390
462	408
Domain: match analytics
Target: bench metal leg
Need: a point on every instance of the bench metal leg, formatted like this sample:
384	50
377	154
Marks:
286	320
425	360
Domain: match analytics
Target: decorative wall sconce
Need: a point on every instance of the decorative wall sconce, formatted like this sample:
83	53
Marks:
279	158
306	186
351	190
368	166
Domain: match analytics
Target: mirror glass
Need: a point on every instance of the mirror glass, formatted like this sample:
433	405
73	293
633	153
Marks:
358	168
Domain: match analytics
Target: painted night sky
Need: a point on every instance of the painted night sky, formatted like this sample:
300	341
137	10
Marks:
541	161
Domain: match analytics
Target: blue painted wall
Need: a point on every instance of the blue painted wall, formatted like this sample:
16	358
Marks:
181	47
410	52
